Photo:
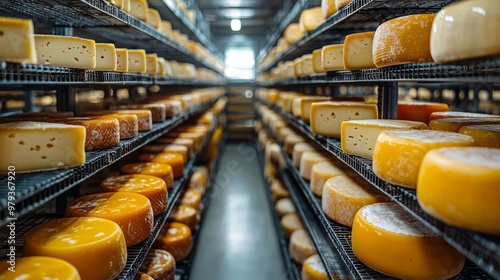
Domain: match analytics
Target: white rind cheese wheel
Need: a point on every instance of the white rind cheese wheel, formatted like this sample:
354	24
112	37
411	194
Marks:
38	267
313	269
308	160
321	172
290	223
298	150
285	206
301	246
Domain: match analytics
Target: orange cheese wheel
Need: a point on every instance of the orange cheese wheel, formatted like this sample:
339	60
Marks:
144	118
131	211
188	143
175	160
159	264
185	214
154	188
39	267
176	239
129	126
192	198
142	276
94	246
157	169
198	181
194	128
419	111
452	114
168	148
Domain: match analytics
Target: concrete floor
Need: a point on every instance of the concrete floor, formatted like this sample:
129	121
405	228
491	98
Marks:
238	239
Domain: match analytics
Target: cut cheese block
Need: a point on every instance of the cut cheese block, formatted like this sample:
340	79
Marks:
328	8
484	135
154	18
139	9
453	114
290	141
105	57
358	51
305	106
143	276
166	28
157	169
285	206
403	40
175	238
144	118
17	41
419	111
317	61
310	19
36	146
151	64
154	188
327	117
159	264
65	51
137	62
344	195
390	240
129	126
301	246
121	60
188	143
164	69
185	214
455	124
35	116
191	197
131	211
399	153
359	136
293	33
298	150
75	239
313	269
341	3
464	31
321	172
290	223
296	106
175	160
308	160
307	65
38	267
459	186
332	57
198	181
162	148
278	190
297	64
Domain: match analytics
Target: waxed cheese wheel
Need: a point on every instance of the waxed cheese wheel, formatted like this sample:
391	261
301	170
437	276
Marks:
159	264
301	246
198	181
157	169
175	160
169	148
290	223
38	267
484	135
419	111
176	239
185	214
191	197
142	276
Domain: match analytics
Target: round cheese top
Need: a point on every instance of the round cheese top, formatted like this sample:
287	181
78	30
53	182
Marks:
176	231
108	204
426	136
133	182
473	156
39	267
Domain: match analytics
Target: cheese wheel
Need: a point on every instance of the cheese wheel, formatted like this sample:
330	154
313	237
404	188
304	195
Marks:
157	169
464	31
313	269
484	135
159	264
310	19
278	190
298	150
419	111
188	143
101	239
455	124
203	128
169	148
328	8
293	33
175	160
460	187
195	136
358	51
399	153
176	239
403	40
453	114
129	126
131	211
142	276
308	160
144	118
341	3
191	197
158	110
185	214
301	246
198	181
390	240
321	172
290	223
285	206
38	267
290	141
154	188
344	195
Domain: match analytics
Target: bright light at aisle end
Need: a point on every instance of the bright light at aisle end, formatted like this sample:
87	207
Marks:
235	25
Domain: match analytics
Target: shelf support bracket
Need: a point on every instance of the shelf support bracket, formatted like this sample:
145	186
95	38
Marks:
388	100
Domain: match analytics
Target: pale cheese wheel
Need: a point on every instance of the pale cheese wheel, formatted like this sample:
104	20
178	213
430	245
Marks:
358	51
313	269
321	172
308	160
176	239
175	160
298	150
169	148
159	264
290	223
278	190
390	240
328	8
185	214
293	33
285	206
38	267
144	118
131	211
301	246
101	239
191	197
290	141
188	143
157	169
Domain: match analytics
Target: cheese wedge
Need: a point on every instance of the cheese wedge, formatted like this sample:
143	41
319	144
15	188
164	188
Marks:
290	223
154	18
419	111
455	124
305	105
166	28
301	246
17	40
307	65
323	171
310	19
151	64
484	135
137	62
159	264
65	51
105	57
317	61
121	60
39	266
176	239
358	51
157	169
139	9
332	57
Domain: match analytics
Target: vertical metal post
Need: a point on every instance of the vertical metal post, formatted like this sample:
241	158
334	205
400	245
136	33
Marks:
388	100
66	99
335	90
62	30
29	100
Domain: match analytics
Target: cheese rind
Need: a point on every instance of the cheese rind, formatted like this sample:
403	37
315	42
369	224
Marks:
137	62
313	269
159	264
39	267
121	60
419	111
157	169
176	239
321	172
129	126
17	40
290	223
317	61
144	118
139	9
328	8
298	150
308	160
65	51
285	206
154	18
333	57
484	135
301	246
310	19
358	51
105	57
455	124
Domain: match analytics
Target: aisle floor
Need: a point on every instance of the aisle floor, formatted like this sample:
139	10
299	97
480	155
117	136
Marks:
238	238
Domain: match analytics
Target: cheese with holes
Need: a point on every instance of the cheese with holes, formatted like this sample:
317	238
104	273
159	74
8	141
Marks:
453	114
159	264
198	181
137	62
285	206
466	30
390	240
38	267
293	33
317	61
144	118
403	40
344	195
323	171
455	124
328	8
157	169
105	57
131	211
151	64
175	238
327	117
459	186
487	135
358	51
399	153
121	60
65	51
419	111
290	141
129	126
305	106
301	246
298	150
154	18
75	239
17	40
290	223
332	57
188	143
185	214
139	9
175	160
172	148
313	269
191	197
310	19
341	3
359	136
143	276
308	160
307	65
36	146
154	188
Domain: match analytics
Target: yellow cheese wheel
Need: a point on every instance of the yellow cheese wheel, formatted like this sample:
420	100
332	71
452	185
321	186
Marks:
454	114
144	118
344	195
390	240
460	187
131	211
142	276
185	214
298	150
175	238
328	8
310	19
157	169
191	197
484	135
308	160
454	124
341	3
293	33
301	246
321	172
188	143
290	223
285	206
154	188
290	141
168	148
39	267
95	246
398	153
175	160
198	181
159	264
313	269
419	111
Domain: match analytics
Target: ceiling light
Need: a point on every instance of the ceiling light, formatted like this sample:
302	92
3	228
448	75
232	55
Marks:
235	25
